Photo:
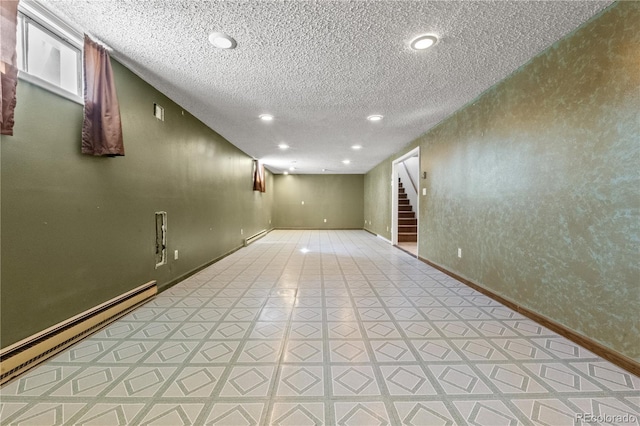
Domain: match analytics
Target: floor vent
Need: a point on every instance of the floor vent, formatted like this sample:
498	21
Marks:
23	355
255	237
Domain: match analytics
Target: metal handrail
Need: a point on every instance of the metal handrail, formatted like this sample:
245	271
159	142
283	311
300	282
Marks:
415	188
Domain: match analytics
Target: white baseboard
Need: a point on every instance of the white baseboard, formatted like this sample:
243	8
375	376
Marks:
383	238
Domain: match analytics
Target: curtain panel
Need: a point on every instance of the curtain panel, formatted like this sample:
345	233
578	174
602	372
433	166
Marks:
102	126
8	65
259	183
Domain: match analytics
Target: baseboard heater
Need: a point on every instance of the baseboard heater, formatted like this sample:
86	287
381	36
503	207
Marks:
27	353
255	237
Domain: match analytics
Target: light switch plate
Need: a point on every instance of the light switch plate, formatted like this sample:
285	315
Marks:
158	112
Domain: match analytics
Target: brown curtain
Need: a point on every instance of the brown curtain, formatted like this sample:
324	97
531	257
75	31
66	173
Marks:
102	128
8	66
258	177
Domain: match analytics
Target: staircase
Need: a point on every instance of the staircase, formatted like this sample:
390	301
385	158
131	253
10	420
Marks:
407	222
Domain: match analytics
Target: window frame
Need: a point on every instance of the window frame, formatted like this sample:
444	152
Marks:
31	13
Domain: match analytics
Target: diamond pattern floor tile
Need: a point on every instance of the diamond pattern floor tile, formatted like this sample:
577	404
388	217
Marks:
352	331
235	414
301	381
361	414
424	413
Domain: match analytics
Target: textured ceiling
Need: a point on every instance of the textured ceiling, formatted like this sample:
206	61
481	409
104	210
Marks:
321	67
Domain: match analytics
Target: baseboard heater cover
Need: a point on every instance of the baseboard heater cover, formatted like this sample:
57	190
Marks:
27	353
255	237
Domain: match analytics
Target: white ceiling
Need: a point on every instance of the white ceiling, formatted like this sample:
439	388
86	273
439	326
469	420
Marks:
321	67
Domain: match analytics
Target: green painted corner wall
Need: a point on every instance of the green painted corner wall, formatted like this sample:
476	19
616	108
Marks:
337	198
538	182
377	193
79	230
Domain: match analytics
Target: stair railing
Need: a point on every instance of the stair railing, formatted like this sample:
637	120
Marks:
415	188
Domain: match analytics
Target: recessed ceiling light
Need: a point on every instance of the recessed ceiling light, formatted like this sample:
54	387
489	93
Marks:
423	42
222	41
283	146
346	161
292	168
286	173
324	170
374	117
266	117
356	147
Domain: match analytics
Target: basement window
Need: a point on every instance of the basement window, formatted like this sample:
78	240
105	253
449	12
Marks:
49	52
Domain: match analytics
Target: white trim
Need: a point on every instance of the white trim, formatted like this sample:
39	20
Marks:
49	20
40	16
394	195
22	75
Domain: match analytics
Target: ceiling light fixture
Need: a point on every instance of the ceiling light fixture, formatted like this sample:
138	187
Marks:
292	168
286	173
266	117
356	147
374	117
283	146
222	41
423	42
346	161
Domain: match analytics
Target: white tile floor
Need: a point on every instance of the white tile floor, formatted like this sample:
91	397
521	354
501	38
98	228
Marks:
352	332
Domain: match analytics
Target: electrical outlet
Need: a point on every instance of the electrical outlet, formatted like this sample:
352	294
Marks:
175	255
424	191
269	221
325	221
459	252
387	229
241	231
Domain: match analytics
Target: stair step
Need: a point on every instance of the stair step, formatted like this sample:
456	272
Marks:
407	229
407	238
405	208
404	201
407	215
407	221
402	196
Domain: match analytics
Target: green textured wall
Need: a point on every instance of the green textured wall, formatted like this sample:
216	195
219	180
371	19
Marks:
337	198
538	181
377	193
78	230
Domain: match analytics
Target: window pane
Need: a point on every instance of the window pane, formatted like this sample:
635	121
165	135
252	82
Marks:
52	60
20	44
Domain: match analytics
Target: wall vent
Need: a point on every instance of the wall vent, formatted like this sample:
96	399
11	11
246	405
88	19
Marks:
26	354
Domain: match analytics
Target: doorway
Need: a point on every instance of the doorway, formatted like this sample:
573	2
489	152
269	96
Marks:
405	187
